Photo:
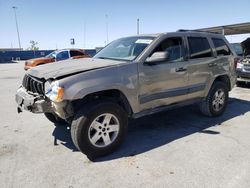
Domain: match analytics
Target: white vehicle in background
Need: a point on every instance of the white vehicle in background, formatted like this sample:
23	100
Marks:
243	65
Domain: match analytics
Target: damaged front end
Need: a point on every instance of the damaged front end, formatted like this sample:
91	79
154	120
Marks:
36	97
30	102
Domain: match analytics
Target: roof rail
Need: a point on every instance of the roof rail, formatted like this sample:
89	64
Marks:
187	30
183	30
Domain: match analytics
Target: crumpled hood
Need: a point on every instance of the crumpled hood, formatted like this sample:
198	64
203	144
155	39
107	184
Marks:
66	67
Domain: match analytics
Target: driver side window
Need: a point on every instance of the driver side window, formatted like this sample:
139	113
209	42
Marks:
62	55
174	46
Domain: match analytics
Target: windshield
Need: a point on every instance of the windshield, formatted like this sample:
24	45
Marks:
51	55
125	48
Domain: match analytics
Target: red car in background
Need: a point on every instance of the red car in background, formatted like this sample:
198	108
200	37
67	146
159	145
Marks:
57	55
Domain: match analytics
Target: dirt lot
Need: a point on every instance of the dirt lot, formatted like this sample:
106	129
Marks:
178	148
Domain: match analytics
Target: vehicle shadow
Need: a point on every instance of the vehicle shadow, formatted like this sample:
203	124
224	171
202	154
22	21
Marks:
62	134
153	131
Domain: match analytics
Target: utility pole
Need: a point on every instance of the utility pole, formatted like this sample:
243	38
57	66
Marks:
84	35
19	42
107	29
223	31
138	22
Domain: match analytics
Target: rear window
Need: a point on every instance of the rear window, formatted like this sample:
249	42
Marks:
199	47
75	53
221	47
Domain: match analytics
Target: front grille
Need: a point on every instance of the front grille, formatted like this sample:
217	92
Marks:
247	67
33	85
243	74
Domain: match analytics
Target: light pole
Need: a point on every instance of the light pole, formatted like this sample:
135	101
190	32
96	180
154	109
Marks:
138	21
107	28
19	42
84	35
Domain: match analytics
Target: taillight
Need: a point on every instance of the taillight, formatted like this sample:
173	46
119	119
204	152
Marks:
236	61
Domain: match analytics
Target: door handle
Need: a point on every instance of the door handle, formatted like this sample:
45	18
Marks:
181	69
212	64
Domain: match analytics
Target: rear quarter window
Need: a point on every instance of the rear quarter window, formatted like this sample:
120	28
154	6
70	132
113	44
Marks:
75	53
221	47
199	47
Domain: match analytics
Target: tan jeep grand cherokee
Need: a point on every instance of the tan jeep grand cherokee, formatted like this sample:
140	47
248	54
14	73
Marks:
131	77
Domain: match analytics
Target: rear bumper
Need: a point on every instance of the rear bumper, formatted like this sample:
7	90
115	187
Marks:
31	102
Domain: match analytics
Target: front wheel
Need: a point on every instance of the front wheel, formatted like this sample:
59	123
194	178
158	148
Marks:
54	118
99	128
216	101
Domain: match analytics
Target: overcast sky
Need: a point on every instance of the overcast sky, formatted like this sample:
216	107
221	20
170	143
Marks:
53	23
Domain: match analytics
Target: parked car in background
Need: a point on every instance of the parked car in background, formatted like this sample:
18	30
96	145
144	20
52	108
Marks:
237	48
243	63
57	55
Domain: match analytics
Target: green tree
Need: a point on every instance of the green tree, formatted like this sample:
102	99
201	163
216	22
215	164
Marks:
33	45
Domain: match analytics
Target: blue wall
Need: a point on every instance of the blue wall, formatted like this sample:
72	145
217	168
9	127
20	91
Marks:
8	56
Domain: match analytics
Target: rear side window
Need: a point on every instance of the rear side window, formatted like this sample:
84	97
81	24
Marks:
75	53
221	47
199	47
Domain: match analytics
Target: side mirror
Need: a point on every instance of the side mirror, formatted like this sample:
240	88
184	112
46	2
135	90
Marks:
157	57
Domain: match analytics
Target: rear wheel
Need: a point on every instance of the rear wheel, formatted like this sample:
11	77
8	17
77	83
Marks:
99	128
216	101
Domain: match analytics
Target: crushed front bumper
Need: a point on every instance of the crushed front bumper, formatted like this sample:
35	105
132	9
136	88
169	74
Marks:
31	102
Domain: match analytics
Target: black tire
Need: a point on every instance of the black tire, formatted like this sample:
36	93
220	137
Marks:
81	128
207	108
238	83
54	118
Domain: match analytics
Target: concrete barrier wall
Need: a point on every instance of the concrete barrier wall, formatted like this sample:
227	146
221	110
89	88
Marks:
10	56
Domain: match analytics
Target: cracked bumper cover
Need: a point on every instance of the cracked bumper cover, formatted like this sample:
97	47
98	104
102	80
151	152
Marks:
38	104
30	102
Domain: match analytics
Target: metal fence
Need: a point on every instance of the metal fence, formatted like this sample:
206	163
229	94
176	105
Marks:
10	56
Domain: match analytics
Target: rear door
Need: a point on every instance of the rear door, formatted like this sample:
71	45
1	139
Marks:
202	61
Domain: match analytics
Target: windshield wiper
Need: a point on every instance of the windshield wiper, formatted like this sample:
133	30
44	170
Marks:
112	58
102	58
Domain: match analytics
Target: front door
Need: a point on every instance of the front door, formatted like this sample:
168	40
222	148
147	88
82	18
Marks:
164	82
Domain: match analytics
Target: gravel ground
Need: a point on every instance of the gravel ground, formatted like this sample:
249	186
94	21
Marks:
178	148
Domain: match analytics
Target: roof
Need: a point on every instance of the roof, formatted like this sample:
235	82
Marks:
144	35
234	29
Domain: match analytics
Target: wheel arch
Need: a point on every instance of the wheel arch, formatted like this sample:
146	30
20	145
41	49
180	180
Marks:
114	95
219	78
225	79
